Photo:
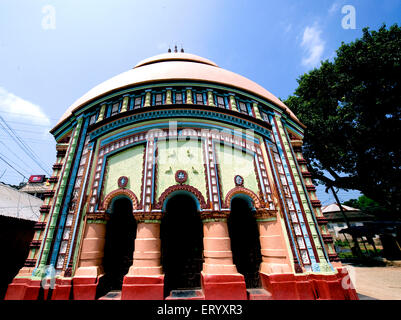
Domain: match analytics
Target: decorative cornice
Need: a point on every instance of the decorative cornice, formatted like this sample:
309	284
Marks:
327	238
297	143
148	217
53	179
44	209
40	225
214	215
30	263
97	216
316	203
264	214
35	243
57	166
193	111
321	220
311	188
334	257
302	161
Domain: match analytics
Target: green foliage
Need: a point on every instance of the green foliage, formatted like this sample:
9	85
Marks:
367	205
352	108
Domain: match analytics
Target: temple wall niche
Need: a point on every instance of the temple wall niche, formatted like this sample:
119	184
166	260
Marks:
180	155
125	163
234	162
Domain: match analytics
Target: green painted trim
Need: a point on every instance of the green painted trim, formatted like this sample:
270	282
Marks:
78	240
97	221
215	220
59	199
267	219
152	221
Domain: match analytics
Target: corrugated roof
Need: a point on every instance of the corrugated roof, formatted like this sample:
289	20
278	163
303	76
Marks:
17	204
335	208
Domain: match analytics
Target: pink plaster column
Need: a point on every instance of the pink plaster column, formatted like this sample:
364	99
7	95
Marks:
145	278
147	250
92	251
220	278
90	267
217	249
275	258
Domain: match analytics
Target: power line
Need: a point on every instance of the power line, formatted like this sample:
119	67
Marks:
15	164
22	144
12	167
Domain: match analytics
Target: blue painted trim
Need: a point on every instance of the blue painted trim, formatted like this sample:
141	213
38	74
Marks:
262	185
61	224
309	204
178	114
302	223
286	213
84	186
165	125
153	169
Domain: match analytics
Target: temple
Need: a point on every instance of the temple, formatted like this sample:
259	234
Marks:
180	180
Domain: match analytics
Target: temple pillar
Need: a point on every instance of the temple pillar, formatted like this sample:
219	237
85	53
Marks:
90	267
220	278
145	278
275	259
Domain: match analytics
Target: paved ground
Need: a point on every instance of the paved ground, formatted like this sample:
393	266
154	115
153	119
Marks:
383	283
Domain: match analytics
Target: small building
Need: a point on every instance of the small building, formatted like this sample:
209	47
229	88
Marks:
18	213
37	186
336	221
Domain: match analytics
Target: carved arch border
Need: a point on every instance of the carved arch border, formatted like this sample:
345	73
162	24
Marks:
120	192
242	190
182	187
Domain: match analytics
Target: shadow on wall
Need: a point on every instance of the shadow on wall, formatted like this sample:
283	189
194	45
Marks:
15	236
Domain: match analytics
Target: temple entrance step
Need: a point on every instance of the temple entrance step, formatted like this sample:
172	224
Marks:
112	295
259	294
196	294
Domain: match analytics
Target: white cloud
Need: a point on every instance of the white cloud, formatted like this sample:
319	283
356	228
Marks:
15	107
335	6
313	46
288	28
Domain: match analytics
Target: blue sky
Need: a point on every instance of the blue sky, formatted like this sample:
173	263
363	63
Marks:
53	51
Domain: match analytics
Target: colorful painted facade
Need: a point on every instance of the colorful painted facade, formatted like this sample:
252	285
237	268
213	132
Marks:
181	159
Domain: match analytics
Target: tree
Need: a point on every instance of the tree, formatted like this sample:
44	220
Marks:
351	107
367	205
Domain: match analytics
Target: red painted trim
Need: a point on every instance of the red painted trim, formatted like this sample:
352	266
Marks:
298	195
143	288
184	187
242	190
120	192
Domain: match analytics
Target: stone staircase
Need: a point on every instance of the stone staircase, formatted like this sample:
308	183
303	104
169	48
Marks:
196	294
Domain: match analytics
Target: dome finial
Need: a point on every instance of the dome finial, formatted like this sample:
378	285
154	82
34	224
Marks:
169	50
175	49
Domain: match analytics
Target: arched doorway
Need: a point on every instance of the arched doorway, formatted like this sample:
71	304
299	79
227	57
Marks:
119	245
245	243
181	236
